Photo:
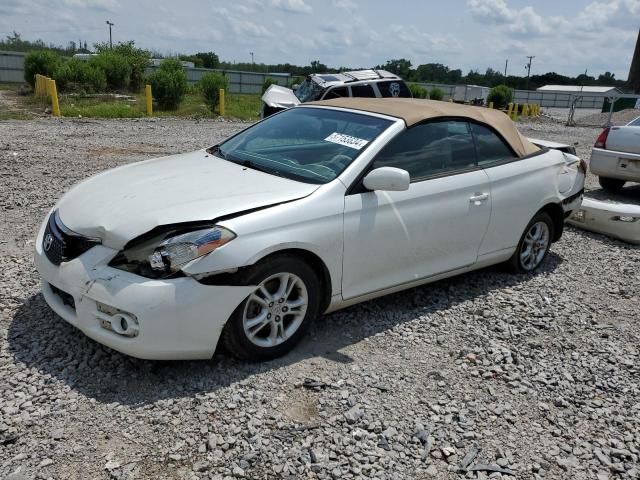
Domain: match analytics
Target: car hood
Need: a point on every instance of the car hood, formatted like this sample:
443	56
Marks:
120	204
280	97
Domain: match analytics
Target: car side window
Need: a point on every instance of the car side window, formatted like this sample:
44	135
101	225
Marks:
490	147
429	149
365	90
393	88
337	92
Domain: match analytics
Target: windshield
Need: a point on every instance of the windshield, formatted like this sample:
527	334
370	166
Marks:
308	91
311	145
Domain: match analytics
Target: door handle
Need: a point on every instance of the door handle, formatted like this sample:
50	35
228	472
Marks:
478	198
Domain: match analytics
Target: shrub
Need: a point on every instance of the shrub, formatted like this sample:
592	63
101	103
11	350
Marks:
169	84
436	94
500	95
115	67
210	86
77	75
417	91
267	83
43	62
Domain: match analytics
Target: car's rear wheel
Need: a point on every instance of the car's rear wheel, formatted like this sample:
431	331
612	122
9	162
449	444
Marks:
611	184
275	317
534	244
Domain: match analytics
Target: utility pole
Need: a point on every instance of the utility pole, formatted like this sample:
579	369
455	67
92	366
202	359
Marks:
506	63
252	62
110	39
528	67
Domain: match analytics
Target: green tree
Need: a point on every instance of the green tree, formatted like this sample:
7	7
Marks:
208	59
500	95
210	85
169	84
417	91
43	62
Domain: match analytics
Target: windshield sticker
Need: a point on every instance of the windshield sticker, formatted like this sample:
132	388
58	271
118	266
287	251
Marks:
346	140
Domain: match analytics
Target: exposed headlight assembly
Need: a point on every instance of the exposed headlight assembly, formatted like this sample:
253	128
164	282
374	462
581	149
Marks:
166	253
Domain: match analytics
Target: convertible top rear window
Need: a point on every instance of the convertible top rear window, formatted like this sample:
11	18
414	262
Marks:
312	145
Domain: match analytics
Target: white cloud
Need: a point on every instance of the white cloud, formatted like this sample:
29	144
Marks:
295	6
107	5
525	21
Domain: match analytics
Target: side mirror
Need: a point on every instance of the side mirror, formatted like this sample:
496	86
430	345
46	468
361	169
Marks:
387	179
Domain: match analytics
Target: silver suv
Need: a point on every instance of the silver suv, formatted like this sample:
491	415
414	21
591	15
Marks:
324	86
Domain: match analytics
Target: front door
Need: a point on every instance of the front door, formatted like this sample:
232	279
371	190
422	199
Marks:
436	226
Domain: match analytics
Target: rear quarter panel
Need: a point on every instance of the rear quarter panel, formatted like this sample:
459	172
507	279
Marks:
518	190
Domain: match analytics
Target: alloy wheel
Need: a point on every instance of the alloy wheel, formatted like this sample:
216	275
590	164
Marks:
275	310
535	245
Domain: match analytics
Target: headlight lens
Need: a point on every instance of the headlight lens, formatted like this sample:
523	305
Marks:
166	253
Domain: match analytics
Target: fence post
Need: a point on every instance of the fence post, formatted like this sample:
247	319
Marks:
149	100
510	109
515	112
221	103
53	92
490	104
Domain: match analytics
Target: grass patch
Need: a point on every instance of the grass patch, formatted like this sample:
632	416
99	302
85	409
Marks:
11	115
238	106
10	86
243	107
101	110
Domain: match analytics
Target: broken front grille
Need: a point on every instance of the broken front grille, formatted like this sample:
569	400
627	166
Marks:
61	244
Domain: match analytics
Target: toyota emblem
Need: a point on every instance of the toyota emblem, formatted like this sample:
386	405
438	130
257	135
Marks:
46	243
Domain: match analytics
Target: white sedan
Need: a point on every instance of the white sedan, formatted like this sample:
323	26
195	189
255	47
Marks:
314	209
615	157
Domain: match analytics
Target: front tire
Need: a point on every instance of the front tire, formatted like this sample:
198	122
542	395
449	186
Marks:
275	317
611	184
534	244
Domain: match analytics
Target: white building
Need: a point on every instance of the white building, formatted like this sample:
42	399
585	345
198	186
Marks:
577	89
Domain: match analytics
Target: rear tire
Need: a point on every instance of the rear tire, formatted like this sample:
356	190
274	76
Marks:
611	184
534	244
275	317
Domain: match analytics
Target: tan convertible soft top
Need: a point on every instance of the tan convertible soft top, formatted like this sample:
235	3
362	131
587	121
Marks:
415	110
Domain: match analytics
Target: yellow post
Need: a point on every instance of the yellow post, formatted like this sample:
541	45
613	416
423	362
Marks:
490	104
53	92
221	103
450	100
515	111
149	100
510	110
40	87
525	110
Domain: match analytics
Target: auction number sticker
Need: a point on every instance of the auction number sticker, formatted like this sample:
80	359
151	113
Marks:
346	140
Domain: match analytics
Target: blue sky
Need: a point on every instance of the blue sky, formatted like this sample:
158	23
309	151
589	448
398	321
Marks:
565	36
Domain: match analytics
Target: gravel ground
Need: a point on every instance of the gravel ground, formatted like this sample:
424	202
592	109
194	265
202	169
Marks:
487	375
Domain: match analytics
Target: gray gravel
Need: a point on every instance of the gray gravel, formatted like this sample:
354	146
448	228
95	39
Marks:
488	375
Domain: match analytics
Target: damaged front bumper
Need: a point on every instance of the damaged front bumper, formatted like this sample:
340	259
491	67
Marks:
168	319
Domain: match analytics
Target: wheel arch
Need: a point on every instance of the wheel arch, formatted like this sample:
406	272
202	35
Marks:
240	277
318	266
555	211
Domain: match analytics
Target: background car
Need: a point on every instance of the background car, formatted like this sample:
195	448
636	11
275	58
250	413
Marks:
311	210
325	86
615	157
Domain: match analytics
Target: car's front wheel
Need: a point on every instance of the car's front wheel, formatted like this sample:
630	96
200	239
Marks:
534	244
275	317
611	184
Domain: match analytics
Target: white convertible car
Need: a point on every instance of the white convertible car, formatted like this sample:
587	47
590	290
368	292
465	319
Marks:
313	209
